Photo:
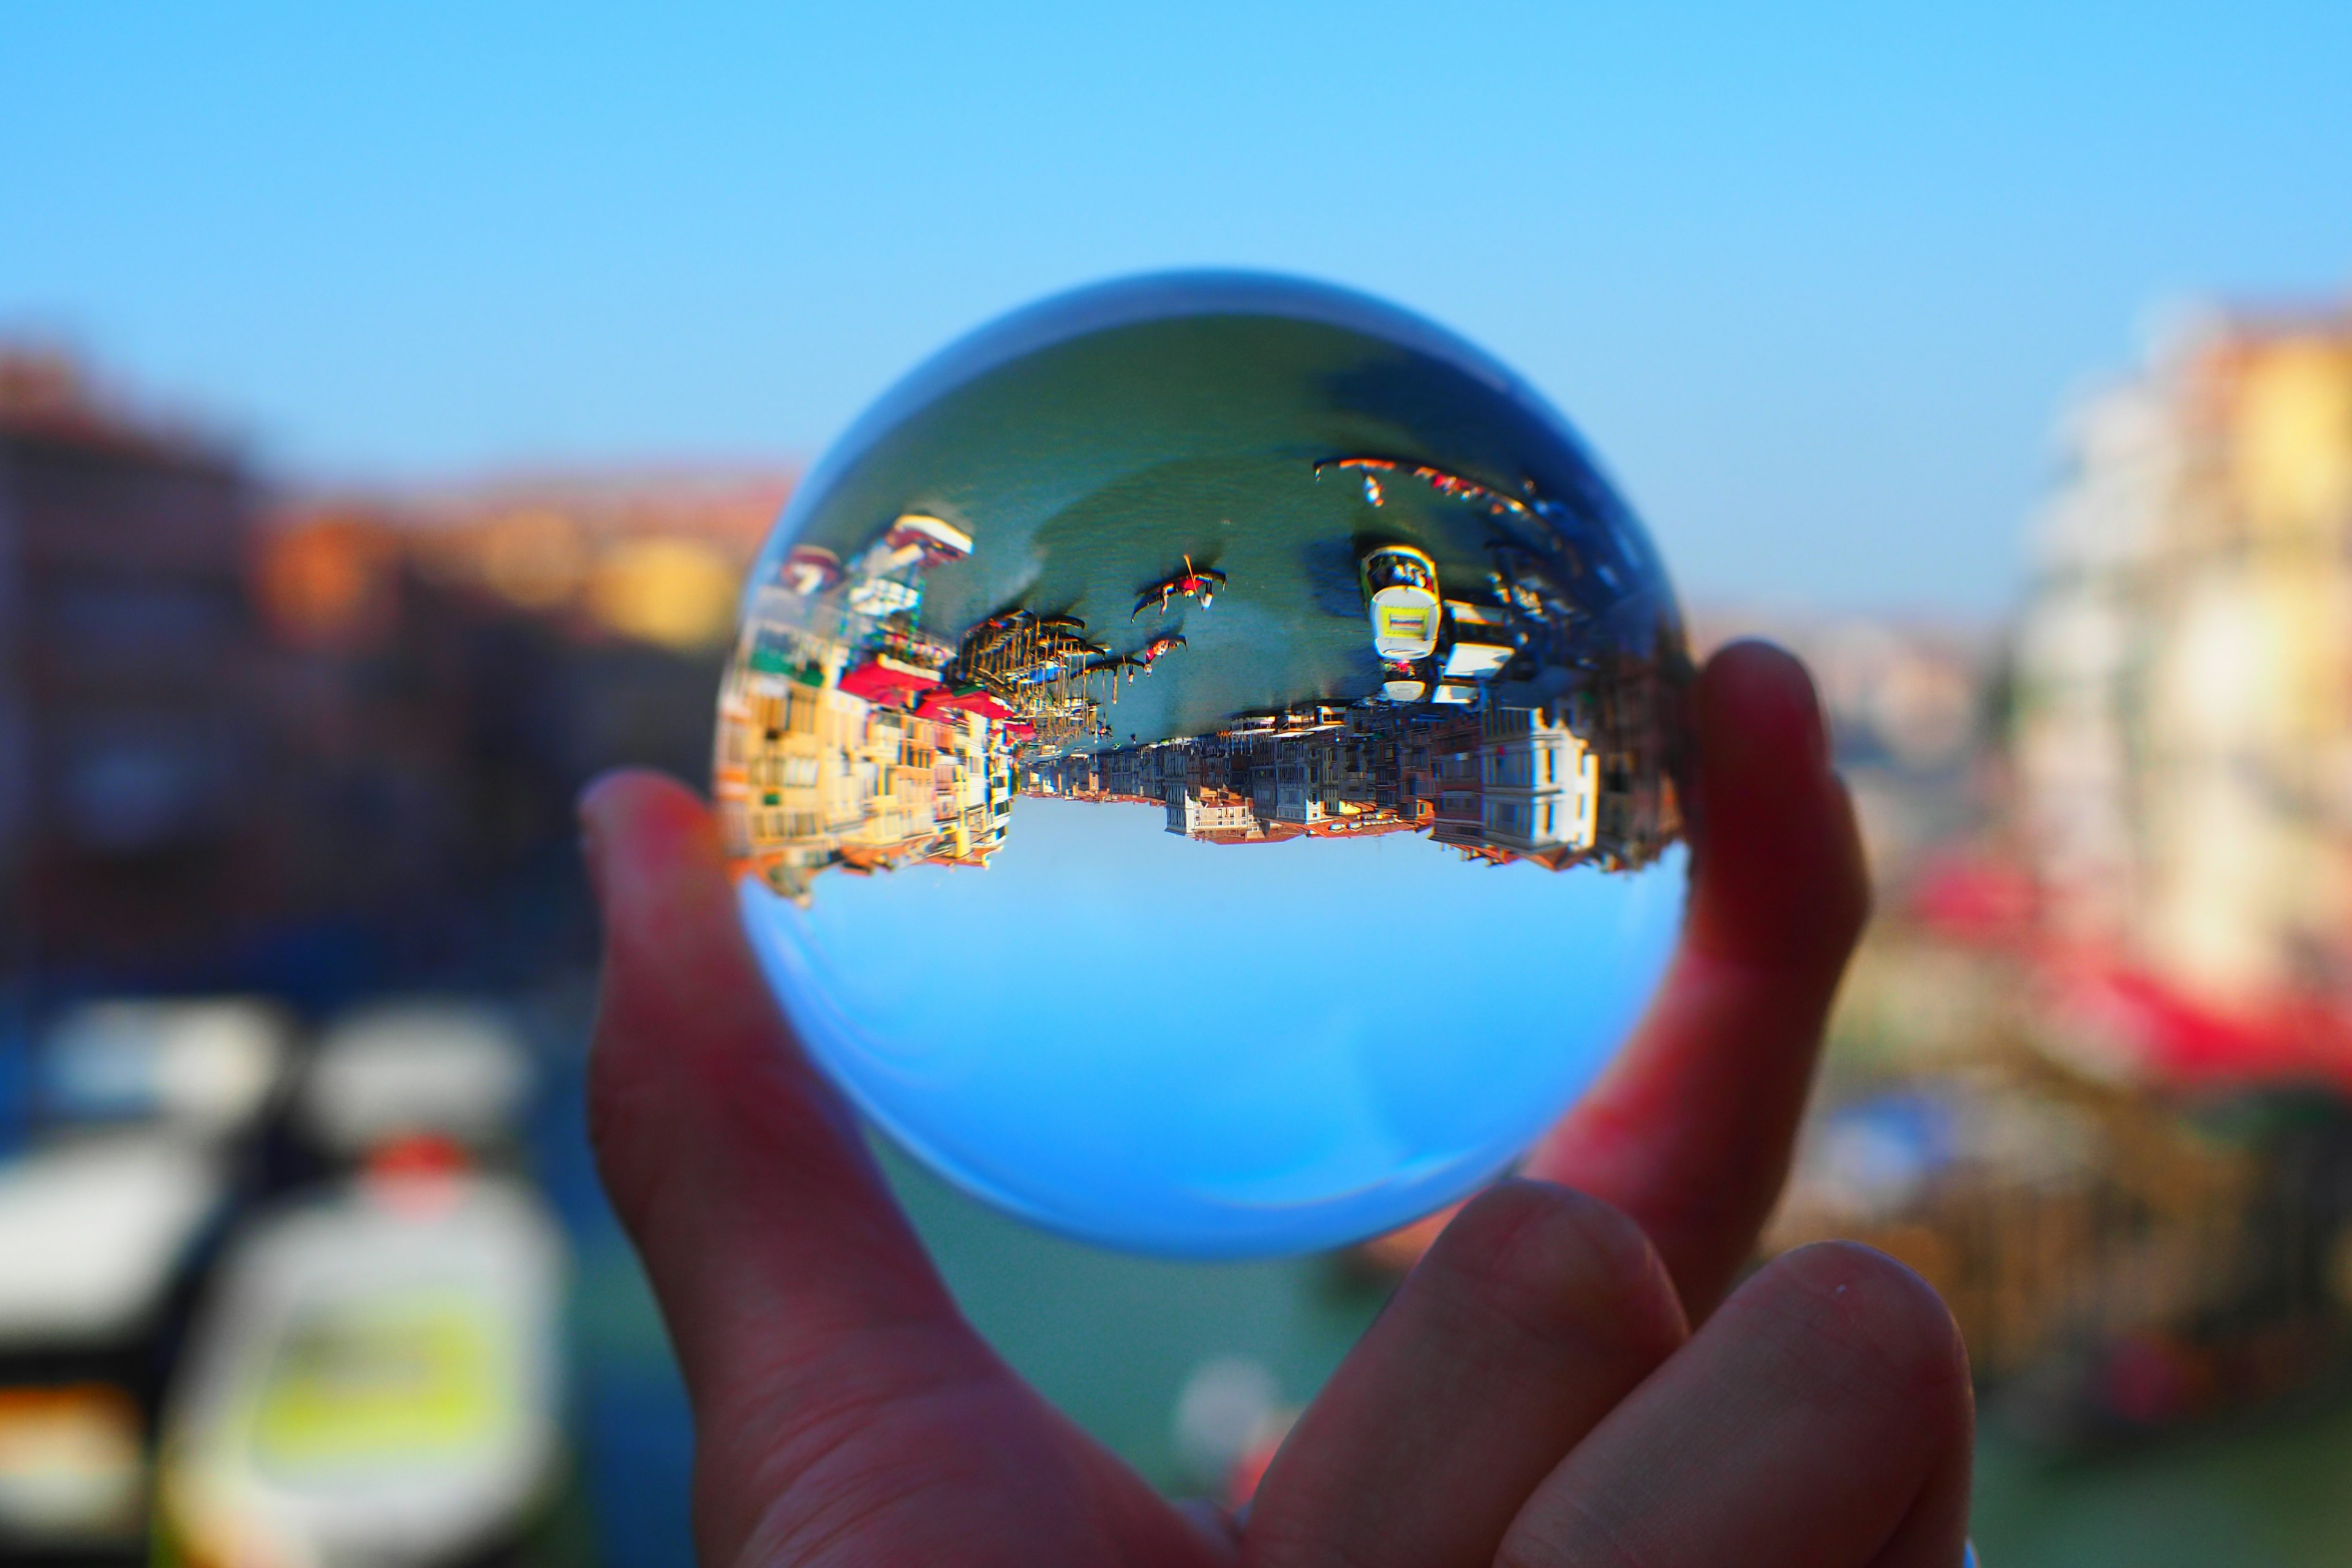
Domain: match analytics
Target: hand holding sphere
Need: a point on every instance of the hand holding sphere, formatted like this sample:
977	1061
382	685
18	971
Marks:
1557	1382
1404	821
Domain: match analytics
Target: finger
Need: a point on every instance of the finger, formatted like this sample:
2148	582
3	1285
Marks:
785	1271
1821	1419
1536	1311
1690	1128
739	1173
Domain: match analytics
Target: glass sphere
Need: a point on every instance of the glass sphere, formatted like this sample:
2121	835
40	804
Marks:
1201	759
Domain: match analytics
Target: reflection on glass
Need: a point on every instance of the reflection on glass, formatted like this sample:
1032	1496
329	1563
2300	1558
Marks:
1277	564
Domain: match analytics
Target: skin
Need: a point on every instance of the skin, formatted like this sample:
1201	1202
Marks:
1562	1380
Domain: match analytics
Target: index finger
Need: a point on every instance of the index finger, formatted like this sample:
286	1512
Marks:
709	1123
783	1267
1689	1131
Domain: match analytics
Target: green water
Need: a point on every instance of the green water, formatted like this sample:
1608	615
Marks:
1089	469
1111	1340
2271	1494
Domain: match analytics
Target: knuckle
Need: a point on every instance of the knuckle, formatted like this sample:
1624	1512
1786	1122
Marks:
1581	1530
1859	1320
1559	1266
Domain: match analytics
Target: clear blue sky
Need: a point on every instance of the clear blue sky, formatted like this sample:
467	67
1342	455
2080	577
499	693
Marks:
1815	285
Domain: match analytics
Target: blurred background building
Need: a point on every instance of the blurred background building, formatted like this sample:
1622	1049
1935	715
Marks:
293	992
2184	683
233	719
131	753
2088	1072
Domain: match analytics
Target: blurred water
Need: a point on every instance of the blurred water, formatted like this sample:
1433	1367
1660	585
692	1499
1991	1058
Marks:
1111	1339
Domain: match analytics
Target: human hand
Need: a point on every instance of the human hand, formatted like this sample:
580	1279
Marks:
1534	1394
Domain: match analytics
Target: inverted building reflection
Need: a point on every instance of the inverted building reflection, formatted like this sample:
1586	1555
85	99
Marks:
1503	721
1562	785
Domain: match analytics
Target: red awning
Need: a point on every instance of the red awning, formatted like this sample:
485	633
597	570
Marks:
980	702
881	679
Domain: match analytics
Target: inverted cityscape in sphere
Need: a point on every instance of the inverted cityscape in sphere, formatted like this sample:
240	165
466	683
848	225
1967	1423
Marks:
1203	761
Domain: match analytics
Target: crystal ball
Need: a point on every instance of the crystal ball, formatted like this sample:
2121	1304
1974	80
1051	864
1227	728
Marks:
1202	761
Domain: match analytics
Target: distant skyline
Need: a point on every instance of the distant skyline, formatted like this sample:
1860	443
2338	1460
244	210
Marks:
1816	287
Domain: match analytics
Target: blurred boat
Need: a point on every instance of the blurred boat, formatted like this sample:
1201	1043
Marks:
452	1070
1478	641
374	1381
93	1230
208	1065
881	596
73	1473
99	1235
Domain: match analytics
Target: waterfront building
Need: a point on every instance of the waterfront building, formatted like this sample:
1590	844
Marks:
1622	715
960	781
1504	783
1460	816
1540	782
2184	689
137	803
1213	816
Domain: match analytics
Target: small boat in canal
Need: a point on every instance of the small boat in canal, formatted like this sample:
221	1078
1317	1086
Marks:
1400	589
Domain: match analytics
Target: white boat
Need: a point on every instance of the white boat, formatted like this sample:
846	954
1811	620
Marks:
1400	589
374	1381
809	569
1474	660
881	596
94	1232
935	538
208	1065
396	1070
97	1234
73	1472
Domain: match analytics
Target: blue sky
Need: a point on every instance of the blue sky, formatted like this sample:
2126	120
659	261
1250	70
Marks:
1815	284
1217	1049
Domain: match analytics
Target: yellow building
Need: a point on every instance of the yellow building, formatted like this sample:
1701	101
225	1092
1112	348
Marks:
961	783
809	777
2184	731
785	789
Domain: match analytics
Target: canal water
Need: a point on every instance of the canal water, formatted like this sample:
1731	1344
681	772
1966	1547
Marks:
1086	472
1112	1341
